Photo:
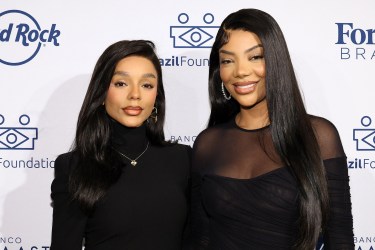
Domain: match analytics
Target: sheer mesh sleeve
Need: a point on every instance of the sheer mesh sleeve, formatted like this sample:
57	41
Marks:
328	138
339	231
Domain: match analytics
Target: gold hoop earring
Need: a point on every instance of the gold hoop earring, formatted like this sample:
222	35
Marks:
154	114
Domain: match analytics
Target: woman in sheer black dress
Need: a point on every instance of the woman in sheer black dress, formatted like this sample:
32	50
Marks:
122	186
266	175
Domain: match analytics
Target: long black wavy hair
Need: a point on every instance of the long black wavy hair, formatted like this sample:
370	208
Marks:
291	129
96	171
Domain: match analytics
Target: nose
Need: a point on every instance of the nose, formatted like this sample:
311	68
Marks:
134	93
243	69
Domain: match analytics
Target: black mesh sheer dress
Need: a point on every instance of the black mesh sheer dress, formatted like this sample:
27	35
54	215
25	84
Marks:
244	197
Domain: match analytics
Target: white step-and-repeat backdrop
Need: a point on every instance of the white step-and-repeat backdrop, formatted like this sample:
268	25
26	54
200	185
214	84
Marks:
48	50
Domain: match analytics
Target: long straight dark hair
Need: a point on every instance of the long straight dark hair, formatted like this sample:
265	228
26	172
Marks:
96	171
291	129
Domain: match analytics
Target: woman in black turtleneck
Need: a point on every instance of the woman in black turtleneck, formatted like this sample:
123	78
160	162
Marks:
122	186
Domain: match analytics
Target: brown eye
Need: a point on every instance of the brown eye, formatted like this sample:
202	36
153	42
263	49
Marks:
257	57
120	84
225	61
148	86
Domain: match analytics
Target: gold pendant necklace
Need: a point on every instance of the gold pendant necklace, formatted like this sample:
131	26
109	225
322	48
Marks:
132	161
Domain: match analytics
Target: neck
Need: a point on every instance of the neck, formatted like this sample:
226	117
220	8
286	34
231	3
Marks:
254	117
128	140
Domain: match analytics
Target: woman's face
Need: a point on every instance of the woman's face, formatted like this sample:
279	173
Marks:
132	91
243	69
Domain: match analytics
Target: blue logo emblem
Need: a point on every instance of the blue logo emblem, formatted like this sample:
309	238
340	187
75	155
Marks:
193	36
356	36
21	37
17	138
365	137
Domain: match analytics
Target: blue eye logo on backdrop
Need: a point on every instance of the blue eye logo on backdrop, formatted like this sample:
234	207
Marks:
21	37
193	36
17	138
364	137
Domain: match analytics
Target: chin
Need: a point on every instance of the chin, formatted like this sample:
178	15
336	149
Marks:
249	103
246	104
132	123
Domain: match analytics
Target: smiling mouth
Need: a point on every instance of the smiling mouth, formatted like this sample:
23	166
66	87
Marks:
245	87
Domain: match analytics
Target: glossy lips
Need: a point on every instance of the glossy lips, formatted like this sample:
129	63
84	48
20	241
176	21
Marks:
133	111
243	88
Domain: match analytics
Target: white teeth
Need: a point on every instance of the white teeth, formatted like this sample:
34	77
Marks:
246	86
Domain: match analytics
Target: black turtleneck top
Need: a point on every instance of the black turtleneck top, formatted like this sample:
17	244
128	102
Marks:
146	208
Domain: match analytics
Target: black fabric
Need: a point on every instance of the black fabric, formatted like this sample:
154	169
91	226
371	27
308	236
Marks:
145	209
243	196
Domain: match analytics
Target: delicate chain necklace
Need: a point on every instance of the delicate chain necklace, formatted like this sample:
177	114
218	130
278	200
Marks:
132	161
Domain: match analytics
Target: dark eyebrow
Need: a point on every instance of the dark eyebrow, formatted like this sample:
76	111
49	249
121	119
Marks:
124	73
149	75
246	51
